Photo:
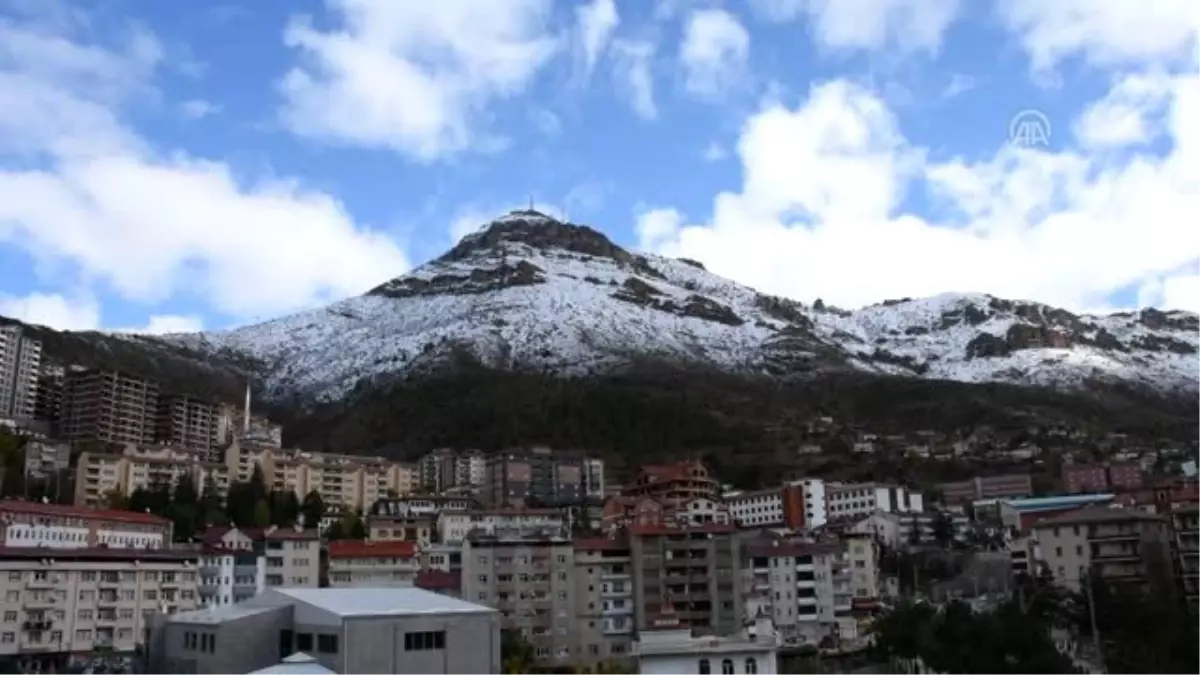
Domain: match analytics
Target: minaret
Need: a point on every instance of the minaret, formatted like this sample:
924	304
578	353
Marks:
246	413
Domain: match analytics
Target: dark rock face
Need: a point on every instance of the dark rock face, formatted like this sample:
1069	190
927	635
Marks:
1157	319
694	263
478	281
639	292
986	345
783	309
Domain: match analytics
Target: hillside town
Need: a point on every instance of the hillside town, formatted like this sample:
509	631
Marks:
158	531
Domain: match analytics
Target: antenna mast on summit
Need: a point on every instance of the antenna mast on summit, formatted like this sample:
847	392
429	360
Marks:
530	202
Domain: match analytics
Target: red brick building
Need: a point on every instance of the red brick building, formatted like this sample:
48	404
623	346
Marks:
1080	478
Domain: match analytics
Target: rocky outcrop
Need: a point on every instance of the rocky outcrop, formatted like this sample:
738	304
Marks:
478	281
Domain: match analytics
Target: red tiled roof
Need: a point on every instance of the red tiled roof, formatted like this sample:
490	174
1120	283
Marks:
93	553
361	548
438	580
66	511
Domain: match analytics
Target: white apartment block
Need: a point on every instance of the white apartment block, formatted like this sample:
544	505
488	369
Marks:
853	500
229	576
20	364
445	468
805	588
62	606
57	526
373	564
798	504
454	526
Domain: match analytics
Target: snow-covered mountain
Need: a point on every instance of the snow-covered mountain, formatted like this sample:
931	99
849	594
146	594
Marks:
530	292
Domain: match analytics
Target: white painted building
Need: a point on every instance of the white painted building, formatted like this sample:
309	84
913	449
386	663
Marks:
852	500
453	526
666	649
37	524
593	479
768	508
230	576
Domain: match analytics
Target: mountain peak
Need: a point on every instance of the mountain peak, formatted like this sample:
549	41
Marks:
536	230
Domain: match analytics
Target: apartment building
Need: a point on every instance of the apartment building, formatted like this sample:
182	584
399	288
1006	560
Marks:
604	601
48	400
1119	545
855	500
536	476
694	570
668	647
20	364
350	482
373	564
237	564
418	528
593	480
57	526
1012	485
454	526
109	406
675	483
529	578
64	606
99	474
794	505
804	587
46	460
1105	477
186	421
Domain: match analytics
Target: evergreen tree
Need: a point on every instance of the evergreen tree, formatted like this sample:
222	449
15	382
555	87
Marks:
211	508
943	529
184	509
313	509
262	514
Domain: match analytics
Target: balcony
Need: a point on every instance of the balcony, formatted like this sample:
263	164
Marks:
1114	534
37	625
612	610
43	601
36	584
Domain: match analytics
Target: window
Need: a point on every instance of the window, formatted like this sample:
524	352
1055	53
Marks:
424	641
705	667
727	667
751	666
327	643
304	642
285	642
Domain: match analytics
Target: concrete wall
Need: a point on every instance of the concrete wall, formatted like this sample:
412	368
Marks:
377	645
242	644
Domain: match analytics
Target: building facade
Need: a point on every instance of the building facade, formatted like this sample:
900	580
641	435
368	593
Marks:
693	570
20	365
101	474
529	578
57	526
604	601
1118	545
109	406
863	499
373	564
959	493
63	606
536	476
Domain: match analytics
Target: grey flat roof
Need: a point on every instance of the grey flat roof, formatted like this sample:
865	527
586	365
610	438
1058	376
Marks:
218	614
381	601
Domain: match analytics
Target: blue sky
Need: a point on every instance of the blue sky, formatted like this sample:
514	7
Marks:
172	166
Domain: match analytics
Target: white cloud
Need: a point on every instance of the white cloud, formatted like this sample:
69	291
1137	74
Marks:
1109	33
597	21
163	324
1129	115
414	77
154	226
959	84
633	71
819	213
53	310
199	109
905	25
714	52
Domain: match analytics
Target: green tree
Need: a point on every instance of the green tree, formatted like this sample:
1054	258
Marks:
313	509
140	500
285	508
116	500
184	509
212	508
517	655
1141	632
262	514
12	464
